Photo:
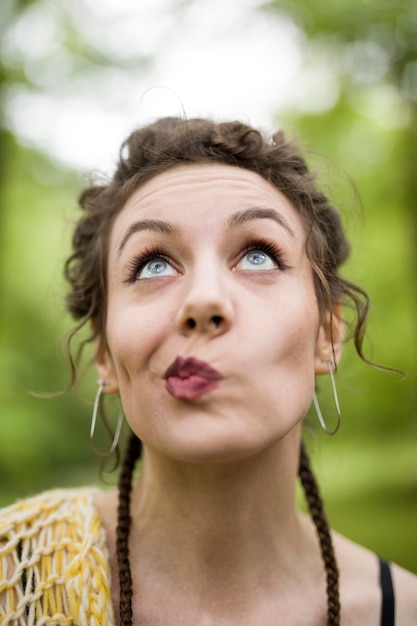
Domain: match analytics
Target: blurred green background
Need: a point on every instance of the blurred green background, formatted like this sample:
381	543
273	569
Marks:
352	100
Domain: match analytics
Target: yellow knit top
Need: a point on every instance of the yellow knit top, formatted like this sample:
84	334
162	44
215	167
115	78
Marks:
54	567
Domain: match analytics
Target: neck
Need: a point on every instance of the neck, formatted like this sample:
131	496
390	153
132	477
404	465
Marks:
219	522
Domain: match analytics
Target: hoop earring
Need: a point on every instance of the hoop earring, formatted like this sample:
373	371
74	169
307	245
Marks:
101	384
336	401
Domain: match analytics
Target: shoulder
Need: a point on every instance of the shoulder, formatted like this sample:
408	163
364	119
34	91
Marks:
405	589
46	509
361	592
48	544
64	518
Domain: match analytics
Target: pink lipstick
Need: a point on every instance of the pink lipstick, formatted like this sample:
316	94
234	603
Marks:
189	378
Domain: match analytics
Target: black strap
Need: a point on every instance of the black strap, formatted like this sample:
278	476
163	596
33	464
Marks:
388	598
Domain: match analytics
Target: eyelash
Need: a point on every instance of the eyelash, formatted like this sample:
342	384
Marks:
270	248
139	261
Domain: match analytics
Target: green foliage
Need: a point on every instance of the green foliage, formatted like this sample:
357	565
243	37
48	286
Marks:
40	437
369	487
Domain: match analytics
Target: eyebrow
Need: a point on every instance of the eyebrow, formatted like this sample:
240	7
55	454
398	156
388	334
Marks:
255	213
157	226
237	219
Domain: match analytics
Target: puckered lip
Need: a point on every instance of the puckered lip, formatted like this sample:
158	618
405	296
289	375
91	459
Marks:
190	366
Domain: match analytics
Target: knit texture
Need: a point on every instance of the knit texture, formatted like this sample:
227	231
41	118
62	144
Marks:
54	566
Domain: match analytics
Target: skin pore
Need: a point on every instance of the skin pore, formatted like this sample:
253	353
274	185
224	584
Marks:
209	262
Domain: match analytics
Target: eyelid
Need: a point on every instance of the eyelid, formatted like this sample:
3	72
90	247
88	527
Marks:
271	248
149	253
136	264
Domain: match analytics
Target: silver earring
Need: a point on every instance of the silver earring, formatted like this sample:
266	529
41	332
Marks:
336	401
101	384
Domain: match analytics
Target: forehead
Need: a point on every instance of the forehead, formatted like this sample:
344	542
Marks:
204	193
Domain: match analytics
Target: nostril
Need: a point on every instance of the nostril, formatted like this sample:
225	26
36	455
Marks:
204	324
217	320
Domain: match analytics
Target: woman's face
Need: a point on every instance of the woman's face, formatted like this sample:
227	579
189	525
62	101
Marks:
213	333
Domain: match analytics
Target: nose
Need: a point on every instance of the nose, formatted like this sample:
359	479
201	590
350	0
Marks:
206	307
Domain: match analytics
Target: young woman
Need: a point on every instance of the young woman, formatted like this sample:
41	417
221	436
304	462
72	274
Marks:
208	268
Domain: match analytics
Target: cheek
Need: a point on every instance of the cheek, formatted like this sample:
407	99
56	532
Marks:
297	325
295	360
292	353
132	335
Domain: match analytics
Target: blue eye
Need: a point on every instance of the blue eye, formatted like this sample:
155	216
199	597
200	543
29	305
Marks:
154	268
256	260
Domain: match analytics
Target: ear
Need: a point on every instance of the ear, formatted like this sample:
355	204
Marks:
329	344
103	362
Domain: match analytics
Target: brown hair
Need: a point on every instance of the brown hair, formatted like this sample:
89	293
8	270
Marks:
152	150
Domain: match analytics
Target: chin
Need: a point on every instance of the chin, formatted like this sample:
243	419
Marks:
217	449
216	456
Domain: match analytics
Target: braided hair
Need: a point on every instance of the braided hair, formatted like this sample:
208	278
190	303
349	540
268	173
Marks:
123	528
315	505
